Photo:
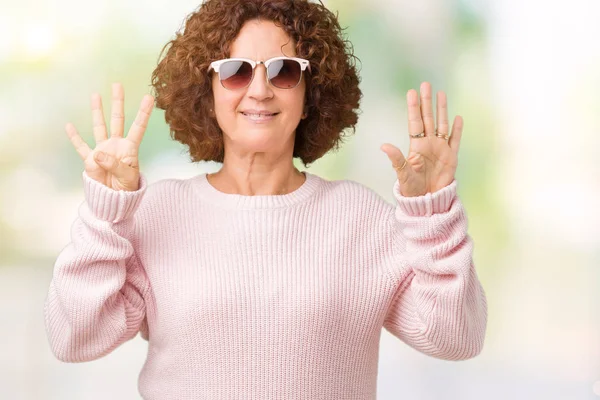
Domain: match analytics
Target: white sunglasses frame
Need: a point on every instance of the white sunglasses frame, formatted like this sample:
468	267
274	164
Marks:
303	65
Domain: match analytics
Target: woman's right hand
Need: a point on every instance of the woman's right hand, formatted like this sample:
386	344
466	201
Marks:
119	170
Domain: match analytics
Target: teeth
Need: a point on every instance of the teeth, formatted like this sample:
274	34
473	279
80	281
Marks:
258	115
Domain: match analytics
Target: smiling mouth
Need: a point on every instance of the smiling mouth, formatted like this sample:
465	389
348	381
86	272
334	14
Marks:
259	115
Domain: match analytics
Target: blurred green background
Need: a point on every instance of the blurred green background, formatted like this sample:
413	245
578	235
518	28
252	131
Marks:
524	76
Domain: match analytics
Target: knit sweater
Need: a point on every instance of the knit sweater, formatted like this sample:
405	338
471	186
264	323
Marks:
264	297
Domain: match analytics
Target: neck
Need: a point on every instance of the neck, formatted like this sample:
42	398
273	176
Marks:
252	178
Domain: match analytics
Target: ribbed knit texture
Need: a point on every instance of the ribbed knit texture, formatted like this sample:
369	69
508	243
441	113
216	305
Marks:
264	297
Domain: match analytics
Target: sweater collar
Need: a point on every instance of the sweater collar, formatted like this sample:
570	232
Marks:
236	201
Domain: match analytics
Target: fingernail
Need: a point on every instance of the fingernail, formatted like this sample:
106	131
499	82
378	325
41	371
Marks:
100	156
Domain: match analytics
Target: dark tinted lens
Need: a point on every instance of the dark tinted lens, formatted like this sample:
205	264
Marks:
235	74
285	74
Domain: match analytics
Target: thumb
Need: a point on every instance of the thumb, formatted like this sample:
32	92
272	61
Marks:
396	157
110	164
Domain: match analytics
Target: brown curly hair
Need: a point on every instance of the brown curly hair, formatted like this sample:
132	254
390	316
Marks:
183	86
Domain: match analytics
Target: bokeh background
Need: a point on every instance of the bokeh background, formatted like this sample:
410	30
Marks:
524	75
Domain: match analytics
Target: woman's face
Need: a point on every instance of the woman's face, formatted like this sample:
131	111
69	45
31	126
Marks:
259	41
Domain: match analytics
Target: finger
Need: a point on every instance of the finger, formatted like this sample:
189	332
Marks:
394	154
414	162
131	158
80	146
98	119
427	109
401	165
415	122
442	113
136	132
117	112
110	164
457	128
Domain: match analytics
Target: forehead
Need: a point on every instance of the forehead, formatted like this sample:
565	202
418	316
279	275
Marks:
260	40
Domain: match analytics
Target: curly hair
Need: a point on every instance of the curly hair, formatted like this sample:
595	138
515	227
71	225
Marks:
183	86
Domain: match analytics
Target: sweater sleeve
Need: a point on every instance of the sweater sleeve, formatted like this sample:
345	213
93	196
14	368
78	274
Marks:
439	307
96	296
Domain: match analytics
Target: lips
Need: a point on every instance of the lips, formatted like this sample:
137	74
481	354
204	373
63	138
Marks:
259	114
259	118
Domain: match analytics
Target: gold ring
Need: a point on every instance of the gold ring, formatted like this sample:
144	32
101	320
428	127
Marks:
444	136
397	168
418	135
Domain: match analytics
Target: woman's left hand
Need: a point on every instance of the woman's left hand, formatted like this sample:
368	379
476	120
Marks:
432	160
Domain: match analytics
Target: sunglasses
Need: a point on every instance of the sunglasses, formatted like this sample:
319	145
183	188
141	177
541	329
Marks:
282	72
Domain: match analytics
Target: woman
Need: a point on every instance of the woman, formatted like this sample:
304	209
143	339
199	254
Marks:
260	281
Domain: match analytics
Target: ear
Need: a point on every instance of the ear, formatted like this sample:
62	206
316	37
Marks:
305	113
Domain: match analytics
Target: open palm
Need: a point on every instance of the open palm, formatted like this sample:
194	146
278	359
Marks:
433	154
119	169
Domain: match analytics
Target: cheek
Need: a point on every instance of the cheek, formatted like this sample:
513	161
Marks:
294	103
225	103
299	106
301	98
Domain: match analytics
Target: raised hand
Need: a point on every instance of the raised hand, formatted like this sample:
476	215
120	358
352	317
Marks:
114	161
433	154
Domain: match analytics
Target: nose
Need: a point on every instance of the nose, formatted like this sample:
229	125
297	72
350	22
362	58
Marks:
259	89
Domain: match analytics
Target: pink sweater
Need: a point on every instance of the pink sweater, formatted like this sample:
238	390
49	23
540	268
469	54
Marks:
264	297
